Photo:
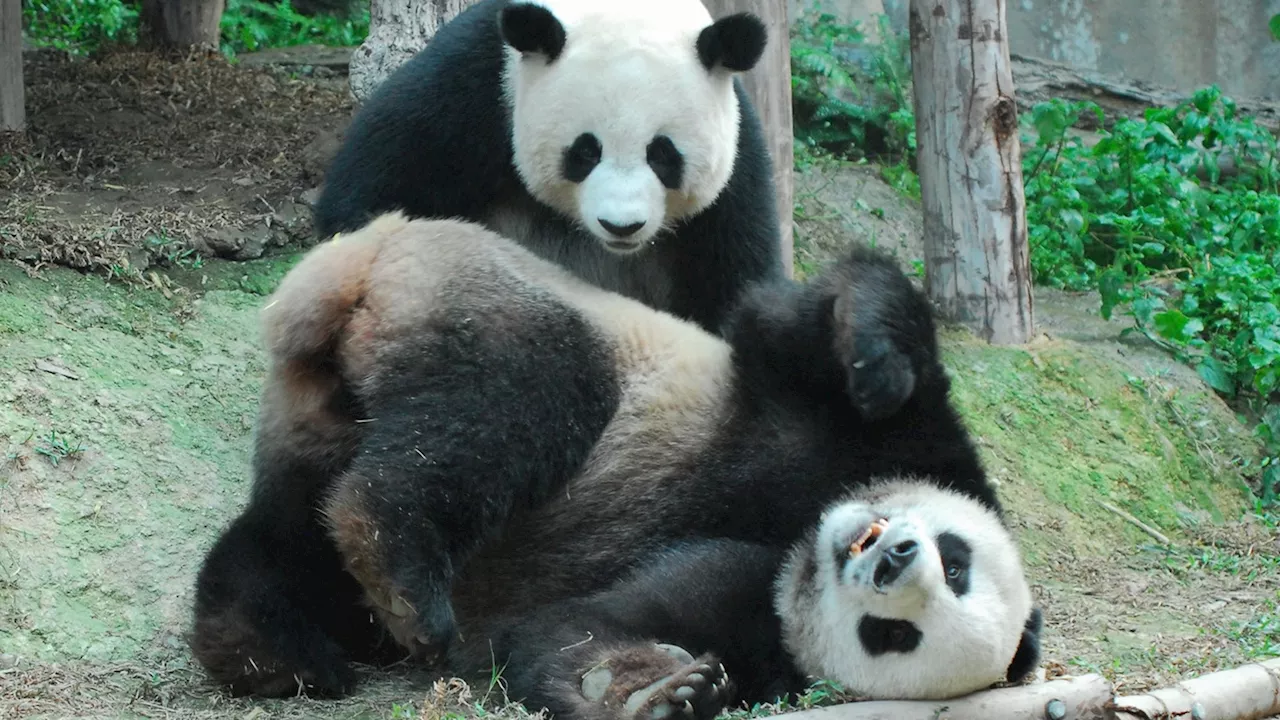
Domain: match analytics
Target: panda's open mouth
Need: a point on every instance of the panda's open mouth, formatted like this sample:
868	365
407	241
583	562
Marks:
868	537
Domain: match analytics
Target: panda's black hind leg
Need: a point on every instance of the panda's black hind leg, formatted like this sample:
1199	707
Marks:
275	613
485	412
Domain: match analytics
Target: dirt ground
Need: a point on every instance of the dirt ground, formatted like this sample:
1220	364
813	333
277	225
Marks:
153	204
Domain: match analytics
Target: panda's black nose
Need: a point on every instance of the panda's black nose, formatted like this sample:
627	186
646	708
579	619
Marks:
621	230
895	560
903	553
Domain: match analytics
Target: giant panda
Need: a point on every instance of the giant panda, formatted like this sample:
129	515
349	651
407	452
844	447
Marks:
525	468
613	138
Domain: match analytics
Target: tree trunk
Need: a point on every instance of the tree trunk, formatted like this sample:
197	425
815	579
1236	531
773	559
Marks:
398	29
13	115
977	269
769	85
183	24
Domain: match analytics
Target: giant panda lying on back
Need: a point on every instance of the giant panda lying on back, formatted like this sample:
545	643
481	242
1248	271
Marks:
599	497
611	137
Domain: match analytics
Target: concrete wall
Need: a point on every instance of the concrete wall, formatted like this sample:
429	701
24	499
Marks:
1183	44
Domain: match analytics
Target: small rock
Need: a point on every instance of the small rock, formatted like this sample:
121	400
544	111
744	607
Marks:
310	197
235	244
8	661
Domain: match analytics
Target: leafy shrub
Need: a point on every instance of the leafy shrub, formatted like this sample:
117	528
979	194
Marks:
850	99
80	26
85	26
1149	217
250	25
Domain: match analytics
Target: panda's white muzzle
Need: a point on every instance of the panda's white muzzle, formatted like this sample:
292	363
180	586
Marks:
623	207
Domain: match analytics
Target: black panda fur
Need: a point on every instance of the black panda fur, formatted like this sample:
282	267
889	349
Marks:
435	140
482	417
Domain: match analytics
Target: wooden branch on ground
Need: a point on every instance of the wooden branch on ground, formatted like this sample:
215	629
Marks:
1040	80
1087	697
1249	692
1159	536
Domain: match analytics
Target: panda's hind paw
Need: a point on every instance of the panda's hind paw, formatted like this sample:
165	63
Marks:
657	682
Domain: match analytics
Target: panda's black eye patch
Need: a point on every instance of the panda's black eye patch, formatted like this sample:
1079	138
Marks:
957	557
885	635
666	161
581	157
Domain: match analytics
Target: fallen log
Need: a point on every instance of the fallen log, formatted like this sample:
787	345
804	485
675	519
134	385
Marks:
1087	697
1248	692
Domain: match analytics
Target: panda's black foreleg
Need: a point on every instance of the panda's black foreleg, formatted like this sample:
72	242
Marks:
683	637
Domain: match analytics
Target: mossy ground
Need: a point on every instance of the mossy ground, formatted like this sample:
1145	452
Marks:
126	411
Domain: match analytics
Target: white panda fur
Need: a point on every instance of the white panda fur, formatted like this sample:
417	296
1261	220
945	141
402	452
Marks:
965	642
610	58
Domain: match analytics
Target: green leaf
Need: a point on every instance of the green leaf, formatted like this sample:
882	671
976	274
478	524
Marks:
1215	374
1275	26
1110	284
1073	219
1171	324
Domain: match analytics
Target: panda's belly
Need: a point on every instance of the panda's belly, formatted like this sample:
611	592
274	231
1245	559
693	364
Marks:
548	234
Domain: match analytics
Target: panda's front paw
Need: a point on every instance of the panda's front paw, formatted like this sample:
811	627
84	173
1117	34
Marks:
880	376
656	682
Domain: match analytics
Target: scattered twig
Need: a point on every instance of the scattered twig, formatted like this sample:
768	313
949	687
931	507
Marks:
56	370
1159	536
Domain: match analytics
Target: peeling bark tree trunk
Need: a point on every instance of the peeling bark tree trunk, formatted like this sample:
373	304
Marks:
12	99
398	29
975	232
769	85
183	24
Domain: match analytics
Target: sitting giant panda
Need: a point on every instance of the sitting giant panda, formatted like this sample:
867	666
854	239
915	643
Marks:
613	138
532	471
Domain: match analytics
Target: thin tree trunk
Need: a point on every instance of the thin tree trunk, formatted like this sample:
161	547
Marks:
183	24
398	29
975	232
13	115
769	85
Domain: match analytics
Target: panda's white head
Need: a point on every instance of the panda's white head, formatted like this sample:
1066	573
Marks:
907	591
624	115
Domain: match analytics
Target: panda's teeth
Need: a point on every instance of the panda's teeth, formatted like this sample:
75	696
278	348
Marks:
868	537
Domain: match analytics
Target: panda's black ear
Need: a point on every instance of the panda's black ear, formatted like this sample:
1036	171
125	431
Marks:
735	42
1028	654
531	29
